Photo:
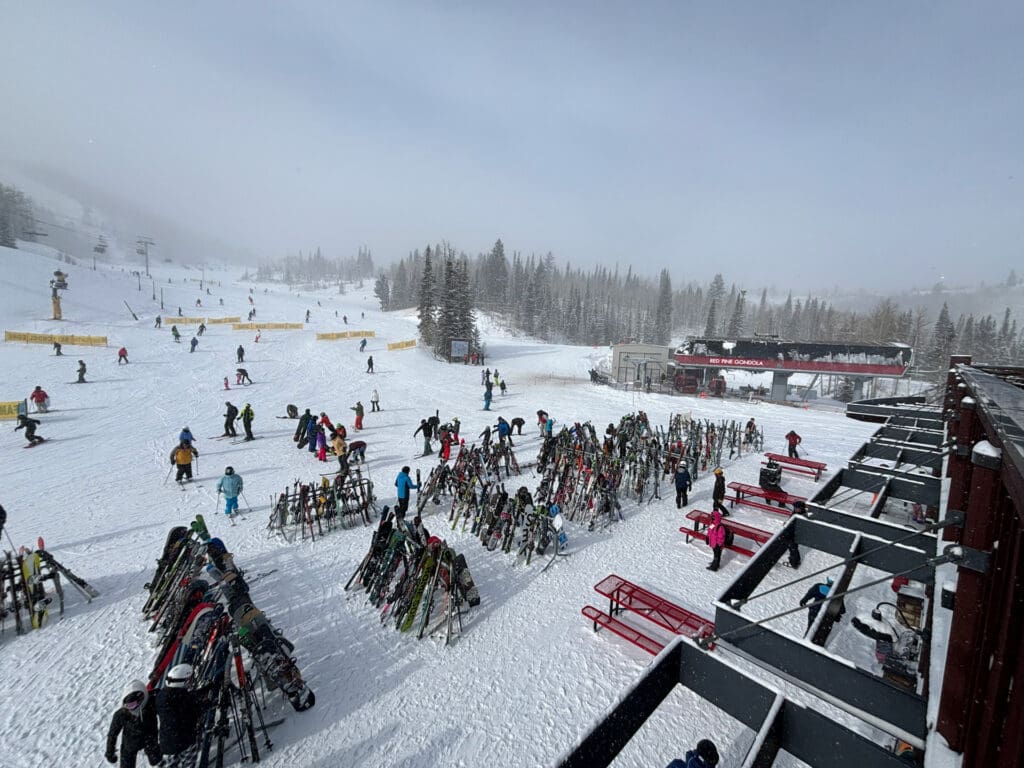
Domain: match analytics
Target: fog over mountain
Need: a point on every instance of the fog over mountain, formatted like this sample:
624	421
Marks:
867	146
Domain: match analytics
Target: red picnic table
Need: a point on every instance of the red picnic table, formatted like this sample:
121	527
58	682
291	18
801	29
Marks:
800	466
744	490
702	520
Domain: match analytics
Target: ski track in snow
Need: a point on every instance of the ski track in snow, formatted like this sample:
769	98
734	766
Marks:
527	678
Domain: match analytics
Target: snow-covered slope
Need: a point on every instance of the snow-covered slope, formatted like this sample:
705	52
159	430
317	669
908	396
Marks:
527	678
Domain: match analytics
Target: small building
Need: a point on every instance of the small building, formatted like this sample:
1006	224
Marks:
637	362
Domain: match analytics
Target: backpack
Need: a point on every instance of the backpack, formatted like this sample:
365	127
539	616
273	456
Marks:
730	537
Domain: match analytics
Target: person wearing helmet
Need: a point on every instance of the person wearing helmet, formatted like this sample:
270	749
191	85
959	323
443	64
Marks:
816	597
185	436
135	722
230	485
718	493
247	416
81	372
178	709
704	756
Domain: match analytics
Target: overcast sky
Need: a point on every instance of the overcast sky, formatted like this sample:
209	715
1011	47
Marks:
807	143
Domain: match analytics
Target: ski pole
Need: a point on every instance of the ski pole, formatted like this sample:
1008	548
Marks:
217	500
247	505
169	473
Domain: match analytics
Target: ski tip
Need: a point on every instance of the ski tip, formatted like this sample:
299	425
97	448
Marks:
40	544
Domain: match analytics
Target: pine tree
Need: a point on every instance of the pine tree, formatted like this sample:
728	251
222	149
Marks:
711	326
943	336
663	310
382	291
735	329
427	302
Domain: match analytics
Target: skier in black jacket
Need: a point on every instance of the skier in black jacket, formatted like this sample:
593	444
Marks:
29	425
683	484
425	428
135	722
517	424
229	420
178	710
718	493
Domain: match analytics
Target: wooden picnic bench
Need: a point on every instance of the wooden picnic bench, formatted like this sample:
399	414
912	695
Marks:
624	596
744	490
702	520
800	466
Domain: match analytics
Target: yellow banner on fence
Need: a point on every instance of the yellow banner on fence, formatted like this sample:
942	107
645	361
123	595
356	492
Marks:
335	335
267	326
222	320
12	409
393	345
49	338
185	320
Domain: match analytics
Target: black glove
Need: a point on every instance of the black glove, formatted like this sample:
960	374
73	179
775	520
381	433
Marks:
111	757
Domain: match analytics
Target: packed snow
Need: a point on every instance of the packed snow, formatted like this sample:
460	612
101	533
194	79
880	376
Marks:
528	676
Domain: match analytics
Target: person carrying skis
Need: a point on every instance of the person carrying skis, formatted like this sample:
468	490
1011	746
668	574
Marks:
405	485
374	401
357	451
242	376
434	422
240	354
181	457
716	539
193	344
362	344
135	722
122	356
185	436
81	372
816	597
794	440
358	408
424	427
369	364
178	710
158	322
247	416
29	425
517	424
230	414
718	492
176	334
684	484
340	449
41	399
230	485
201	330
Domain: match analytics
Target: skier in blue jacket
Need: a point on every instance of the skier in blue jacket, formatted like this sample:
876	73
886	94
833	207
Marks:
704	756
230	485
404	484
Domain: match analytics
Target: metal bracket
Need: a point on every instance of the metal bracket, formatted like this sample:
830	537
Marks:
962	450
966	557
955	517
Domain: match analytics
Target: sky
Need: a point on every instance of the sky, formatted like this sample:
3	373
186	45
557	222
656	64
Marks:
795	144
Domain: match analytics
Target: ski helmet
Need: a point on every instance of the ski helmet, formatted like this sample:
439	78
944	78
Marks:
707	752
216	545
229	470
179	676
134	696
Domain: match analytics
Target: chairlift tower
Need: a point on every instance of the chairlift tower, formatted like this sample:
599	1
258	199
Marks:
142	248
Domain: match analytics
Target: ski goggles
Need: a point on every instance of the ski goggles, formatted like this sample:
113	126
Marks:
134	700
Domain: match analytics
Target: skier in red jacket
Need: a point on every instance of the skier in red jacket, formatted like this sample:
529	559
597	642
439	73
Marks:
794	440
41	399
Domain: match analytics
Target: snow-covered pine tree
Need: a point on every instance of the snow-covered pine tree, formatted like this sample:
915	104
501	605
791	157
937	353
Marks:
711	326
736	322
427	305
943	336
382	291
663	310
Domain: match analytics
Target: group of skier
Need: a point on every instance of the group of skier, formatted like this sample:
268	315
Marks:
489	384
318	434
